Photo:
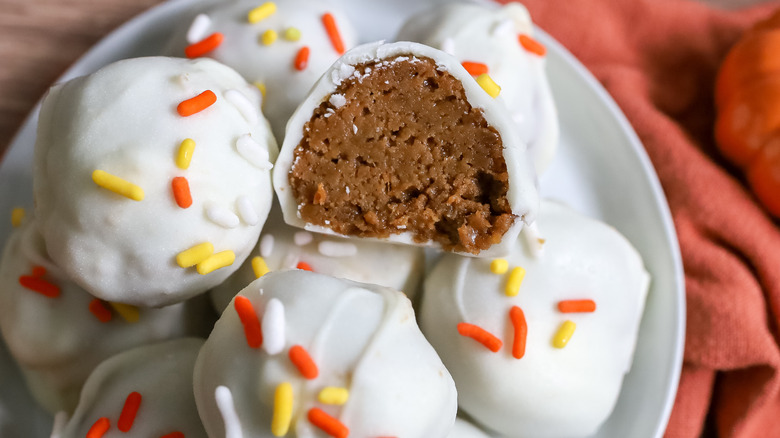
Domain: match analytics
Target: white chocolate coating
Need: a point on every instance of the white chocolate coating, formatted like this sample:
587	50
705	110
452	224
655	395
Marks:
361	337
123	120
57	341
522	193
550	392
489	35
161	373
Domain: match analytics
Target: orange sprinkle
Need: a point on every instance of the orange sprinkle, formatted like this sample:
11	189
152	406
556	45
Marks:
99	428
197	103
305	266
475	68
333	32
181	191
38	271
302	58
204	46
305	364
532	45
576	306
129	411
101	312
250	321
517	317
480	335
175	434
327	424
37	284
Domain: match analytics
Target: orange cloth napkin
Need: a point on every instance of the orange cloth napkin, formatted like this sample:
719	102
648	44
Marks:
658	59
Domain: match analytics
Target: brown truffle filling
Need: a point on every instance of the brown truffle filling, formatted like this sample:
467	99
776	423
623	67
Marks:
397	149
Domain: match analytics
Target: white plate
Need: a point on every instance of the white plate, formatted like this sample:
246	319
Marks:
601	169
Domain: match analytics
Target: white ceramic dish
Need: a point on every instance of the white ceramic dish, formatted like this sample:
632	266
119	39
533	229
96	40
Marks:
601	169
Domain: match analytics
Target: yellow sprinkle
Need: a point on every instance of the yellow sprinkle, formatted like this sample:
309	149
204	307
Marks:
564	334
499	266
128	312
515	280
218	260
292	34
269	37
195	255
283	409
332	395
17	216
118	185
261	12
489	85
261	86
184	156
259	266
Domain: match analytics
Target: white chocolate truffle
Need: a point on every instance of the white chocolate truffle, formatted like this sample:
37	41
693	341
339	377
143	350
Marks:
490	35
159	377
57	339
518	200
266	52
124	120
550	391
363	340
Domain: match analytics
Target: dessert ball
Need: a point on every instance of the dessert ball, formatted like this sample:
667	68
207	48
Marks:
152	178
538	342
304	354
398	142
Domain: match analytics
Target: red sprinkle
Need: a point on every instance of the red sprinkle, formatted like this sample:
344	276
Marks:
176	434
328	424
248	316
101	312
305	266
129	411
37	284
99	428
38	271
475	68
204	46
532	45
305	364
302	58
577	306
181	191
196	104
479	334
333	32
517	317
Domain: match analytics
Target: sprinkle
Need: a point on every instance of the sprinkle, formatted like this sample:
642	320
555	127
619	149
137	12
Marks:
532	45
327	424
181	192
222	216
475	68
38	271
273	325
332	395
337	100
577	306
499	266
302	238
333	32
175	434
253	152
37	284
517	317
17	216
304	266
269	37
246	313
564	334
198	28
129	411
283	409
515	280
195	255
261	12
196	104
292	34
99	428
448	46
259	266
247	211
261	86
128	312
337	249
267	245
117	185
243	105
184	156
305	364
478	334
487	84
302	58
216	261
204	46
228	411
101	312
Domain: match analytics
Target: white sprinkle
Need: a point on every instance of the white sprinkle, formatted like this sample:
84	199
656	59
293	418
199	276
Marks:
266	245
504	27
198	28
347	189
273	324
228	411
222	216
337	100
247	211
302	238
290	261
243	105
533	241
448	46
337	249
60	420
354	128
253	152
